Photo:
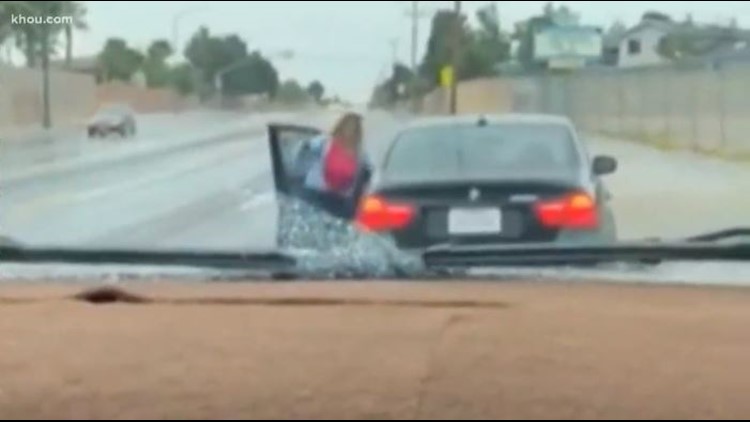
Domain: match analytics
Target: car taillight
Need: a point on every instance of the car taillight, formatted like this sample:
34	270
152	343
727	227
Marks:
376	214
576	211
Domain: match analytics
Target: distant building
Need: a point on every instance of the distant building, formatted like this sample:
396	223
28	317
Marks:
568	46
639	46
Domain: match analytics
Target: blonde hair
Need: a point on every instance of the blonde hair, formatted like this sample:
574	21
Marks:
348	131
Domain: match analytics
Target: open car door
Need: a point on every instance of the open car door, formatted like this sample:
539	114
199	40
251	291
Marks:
287	143
307	225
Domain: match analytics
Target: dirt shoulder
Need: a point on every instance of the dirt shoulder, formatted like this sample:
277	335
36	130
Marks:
385	350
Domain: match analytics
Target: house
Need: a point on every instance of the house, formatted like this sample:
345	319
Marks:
639	46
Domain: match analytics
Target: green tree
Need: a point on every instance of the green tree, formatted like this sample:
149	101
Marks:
211	54
76	10
252	75
226	60
29	36
482	49
159	50
117	61
6	31
440	43
155	65
316	90
291	92
488	46
182	79
217	58
393	89
688	41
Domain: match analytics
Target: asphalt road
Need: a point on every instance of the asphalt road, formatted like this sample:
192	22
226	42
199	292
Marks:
215	196
219	196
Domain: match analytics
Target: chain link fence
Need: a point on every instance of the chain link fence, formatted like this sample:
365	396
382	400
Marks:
705	109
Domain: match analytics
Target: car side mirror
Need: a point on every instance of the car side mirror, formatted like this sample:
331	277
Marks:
604	165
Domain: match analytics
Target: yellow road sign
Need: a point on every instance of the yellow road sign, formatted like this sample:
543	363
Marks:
446	76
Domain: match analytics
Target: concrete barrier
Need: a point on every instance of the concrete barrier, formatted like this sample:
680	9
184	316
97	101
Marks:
72	97
702	109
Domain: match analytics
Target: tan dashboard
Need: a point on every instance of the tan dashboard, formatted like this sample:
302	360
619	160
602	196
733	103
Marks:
374	350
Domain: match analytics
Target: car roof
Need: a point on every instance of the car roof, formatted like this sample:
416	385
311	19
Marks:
490	119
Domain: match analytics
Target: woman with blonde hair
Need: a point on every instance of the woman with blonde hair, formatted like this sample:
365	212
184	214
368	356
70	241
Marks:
335	168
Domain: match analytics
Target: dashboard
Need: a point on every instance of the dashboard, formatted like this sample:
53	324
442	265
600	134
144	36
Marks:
387	349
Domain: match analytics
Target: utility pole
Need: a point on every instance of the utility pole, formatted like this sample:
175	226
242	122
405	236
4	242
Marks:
456	59
414	46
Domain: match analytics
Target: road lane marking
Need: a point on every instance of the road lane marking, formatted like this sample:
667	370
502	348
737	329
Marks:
33	208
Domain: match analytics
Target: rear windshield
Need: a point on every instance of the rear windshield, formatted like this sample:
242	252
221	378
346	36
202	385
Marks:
114	111
455	150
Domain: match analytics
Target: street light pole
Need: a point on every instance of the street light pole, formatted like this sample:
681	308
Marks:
456	60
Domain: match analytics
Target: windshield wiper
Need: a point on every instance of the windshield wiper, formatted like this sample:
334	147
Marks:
738	233
271	262
447	257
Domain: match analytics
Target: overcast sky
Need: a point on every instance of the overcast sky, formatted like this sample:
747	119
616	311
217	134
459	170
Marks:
344	44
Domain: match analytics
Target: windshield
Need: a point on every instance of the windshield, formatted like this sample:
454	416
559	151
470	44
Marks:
153	127
361	210
485	151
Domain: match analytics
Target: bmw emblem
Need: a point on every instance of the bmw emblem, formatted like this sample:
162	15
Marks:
475	195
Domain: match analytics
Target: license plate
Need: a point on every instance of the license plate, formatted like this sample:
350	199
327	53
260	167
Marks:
475	221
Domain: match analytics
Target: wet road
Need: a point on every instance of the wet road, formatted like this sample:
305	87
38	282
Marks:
674	194
218	195
207	195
